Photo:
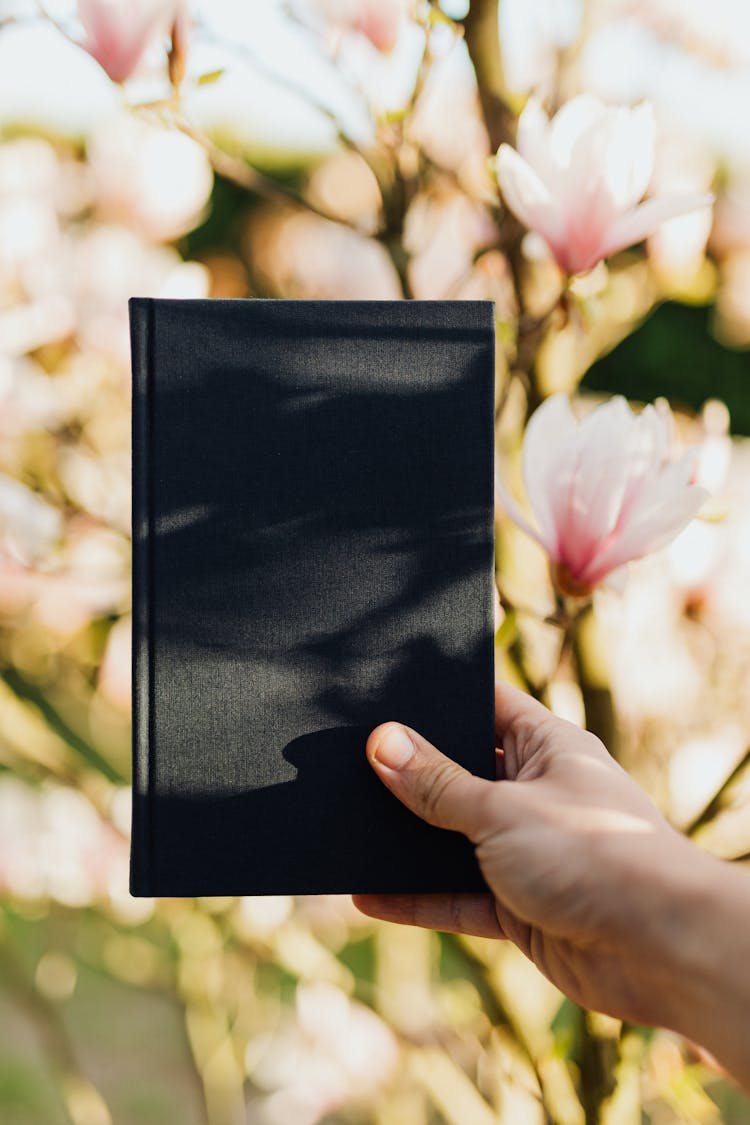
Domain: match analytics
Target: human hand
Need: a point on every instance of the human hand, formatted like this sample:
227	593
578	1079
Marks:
586	875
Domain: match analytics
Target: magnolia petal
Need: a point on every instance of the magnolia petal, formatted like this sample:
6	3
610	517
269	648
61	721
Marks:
653	491
589	205
119	31
629	161
533	144
525	194
617	580
380	22
666	417
586	164
657	417
571	124
596	483
647	455
643	220
549	430
581	248
29	524
654	533
663	510
505	499
685	511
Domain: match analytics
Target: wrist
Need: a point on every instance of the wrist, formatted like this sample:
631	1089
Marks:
705	948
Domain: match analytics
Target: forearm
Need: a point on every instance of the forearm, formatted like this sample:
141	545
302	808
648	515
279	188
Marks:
710	942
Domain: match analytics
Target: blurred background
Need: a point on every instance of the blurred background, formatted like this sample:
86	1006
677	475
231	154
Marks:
344	149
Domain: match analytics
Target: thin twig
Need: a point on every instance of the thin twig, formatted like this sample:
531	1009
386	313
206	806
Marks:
483	45
237	170
246	53
712	807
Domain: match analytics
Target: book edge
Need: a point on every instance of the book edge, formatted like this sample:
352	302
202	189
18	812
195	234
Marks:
490	574
141	848
484	306
142	312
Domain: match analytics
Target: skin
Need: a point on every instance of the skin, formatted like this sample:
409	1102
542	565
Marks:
587	878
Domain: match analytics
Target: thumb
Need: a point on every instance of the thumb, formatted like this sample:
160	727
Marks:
427	782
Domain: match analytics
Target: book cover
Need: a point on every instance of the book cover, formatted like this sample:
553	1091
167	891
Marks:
312	555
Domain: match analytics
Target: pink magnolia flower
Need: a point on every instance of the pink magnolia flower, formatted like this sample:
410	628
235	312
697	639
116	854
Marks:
577	180
119	31
380	21
603	490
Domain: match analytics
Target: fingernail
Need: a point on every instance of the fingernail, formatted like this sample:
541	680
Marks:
394	748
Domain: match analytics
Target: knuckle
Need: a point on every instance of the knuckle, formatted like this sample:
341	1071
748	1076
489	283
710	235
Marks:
420	911
434	789
485	810
541	732
595	744
456	914
522	737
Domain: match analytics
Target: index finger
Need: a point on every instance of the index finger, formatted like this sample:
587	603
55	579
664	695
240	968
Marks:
472	914
514	708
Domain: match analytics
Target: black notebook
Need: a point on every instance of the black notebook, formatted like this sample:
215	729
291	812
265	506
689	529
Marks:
312	556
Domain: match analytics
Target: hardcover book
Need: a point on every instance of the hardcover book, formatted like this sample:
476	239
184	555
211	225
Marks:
312	556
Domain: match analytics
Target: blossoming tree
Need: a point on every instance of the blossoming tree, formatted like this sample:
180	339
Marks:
461	152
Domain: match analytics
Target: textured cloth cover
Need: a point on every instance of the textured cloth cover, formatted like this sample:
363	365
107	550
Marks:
313	555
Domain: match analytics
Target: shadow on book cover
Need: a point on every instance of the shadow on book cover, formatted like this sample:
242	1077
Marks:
312	556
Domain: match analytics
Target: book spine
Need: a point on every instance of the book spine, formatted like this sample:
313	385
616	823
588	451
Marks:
141	845
492	363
